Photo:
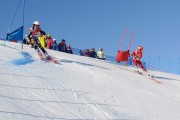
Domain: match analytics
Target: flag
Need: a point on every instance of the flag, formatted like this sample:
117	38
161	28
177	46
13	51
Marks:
2	38
16	35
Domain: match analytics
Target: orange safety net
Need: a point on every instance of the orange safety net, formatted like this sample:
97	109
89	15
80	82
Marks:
122	55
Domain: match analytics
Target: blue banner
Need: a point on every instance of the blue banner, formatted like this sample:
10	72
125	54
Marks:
2	39
16	35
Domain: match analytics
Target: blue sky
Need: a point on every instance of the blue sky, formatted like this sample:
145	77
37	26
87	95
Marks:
100	23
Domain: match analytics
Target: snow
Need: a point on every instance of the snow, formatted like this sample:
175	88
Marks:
81	88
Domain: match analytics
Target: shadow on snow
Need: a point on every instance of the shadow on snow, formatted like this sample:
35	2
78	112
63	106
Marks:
27	58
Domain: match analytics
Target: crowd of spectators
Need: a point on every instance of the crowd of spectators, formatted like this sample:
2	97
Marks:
49	43
92	53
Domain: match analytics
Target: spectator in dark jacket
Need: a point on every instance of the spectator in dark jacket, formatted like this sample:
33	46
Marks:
69	49
92	53
62	46
81	53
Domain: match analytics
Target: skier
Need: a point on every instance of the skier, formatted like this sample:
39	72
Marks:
33	34
136	56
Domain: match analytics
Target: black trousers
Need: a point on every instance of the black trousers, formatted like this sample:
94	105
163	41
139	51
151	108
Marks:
37	44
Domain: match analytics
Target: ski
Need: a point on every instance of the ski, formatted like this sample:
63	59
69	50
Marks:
43	58
40	55
51	59
151	77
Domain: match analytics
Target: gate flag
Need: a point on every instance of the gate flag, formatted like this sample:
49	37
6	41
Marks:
16	35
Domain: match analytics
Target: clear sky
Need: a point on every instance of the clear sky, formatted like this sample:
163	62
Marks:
100	23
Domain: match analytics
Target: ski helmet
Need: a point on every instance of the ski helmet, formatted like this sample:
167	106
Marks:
140	48
36	23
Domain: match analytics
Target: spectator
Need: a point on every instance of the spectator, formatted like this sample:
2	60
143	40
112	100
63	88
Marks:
69	49
49	42
81	53
100	54
55	46
86	53
62	46
92	53
41	39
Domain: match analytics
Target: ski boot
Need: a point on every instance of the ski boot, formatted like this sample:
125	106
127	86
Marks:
47	56
138	72
149	75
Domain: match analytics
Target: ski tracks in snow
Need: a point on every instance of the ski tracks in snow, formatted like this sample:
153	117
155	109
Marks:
98	79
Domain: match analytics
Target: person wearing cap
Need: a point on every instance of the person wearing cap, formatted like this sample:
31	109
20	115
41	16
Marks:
100	54
55	46
33	34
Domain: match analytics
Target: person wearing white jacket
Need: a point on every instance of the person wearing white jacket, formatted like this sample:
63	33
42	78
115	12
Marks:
100	54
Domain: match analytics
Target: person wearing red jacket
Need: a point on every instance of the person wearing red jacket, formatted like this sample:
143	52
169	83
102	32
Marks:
136	56
49	42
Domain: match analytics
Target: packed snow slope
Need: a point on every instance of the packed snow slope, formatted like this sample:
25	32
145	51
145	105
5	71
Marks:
80	88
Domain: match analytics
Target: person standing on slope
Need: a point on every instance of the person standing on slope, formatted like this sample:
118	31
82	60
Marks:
49	42
136	56
92	53
42	39
100	54
55	45
33	34
62	46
